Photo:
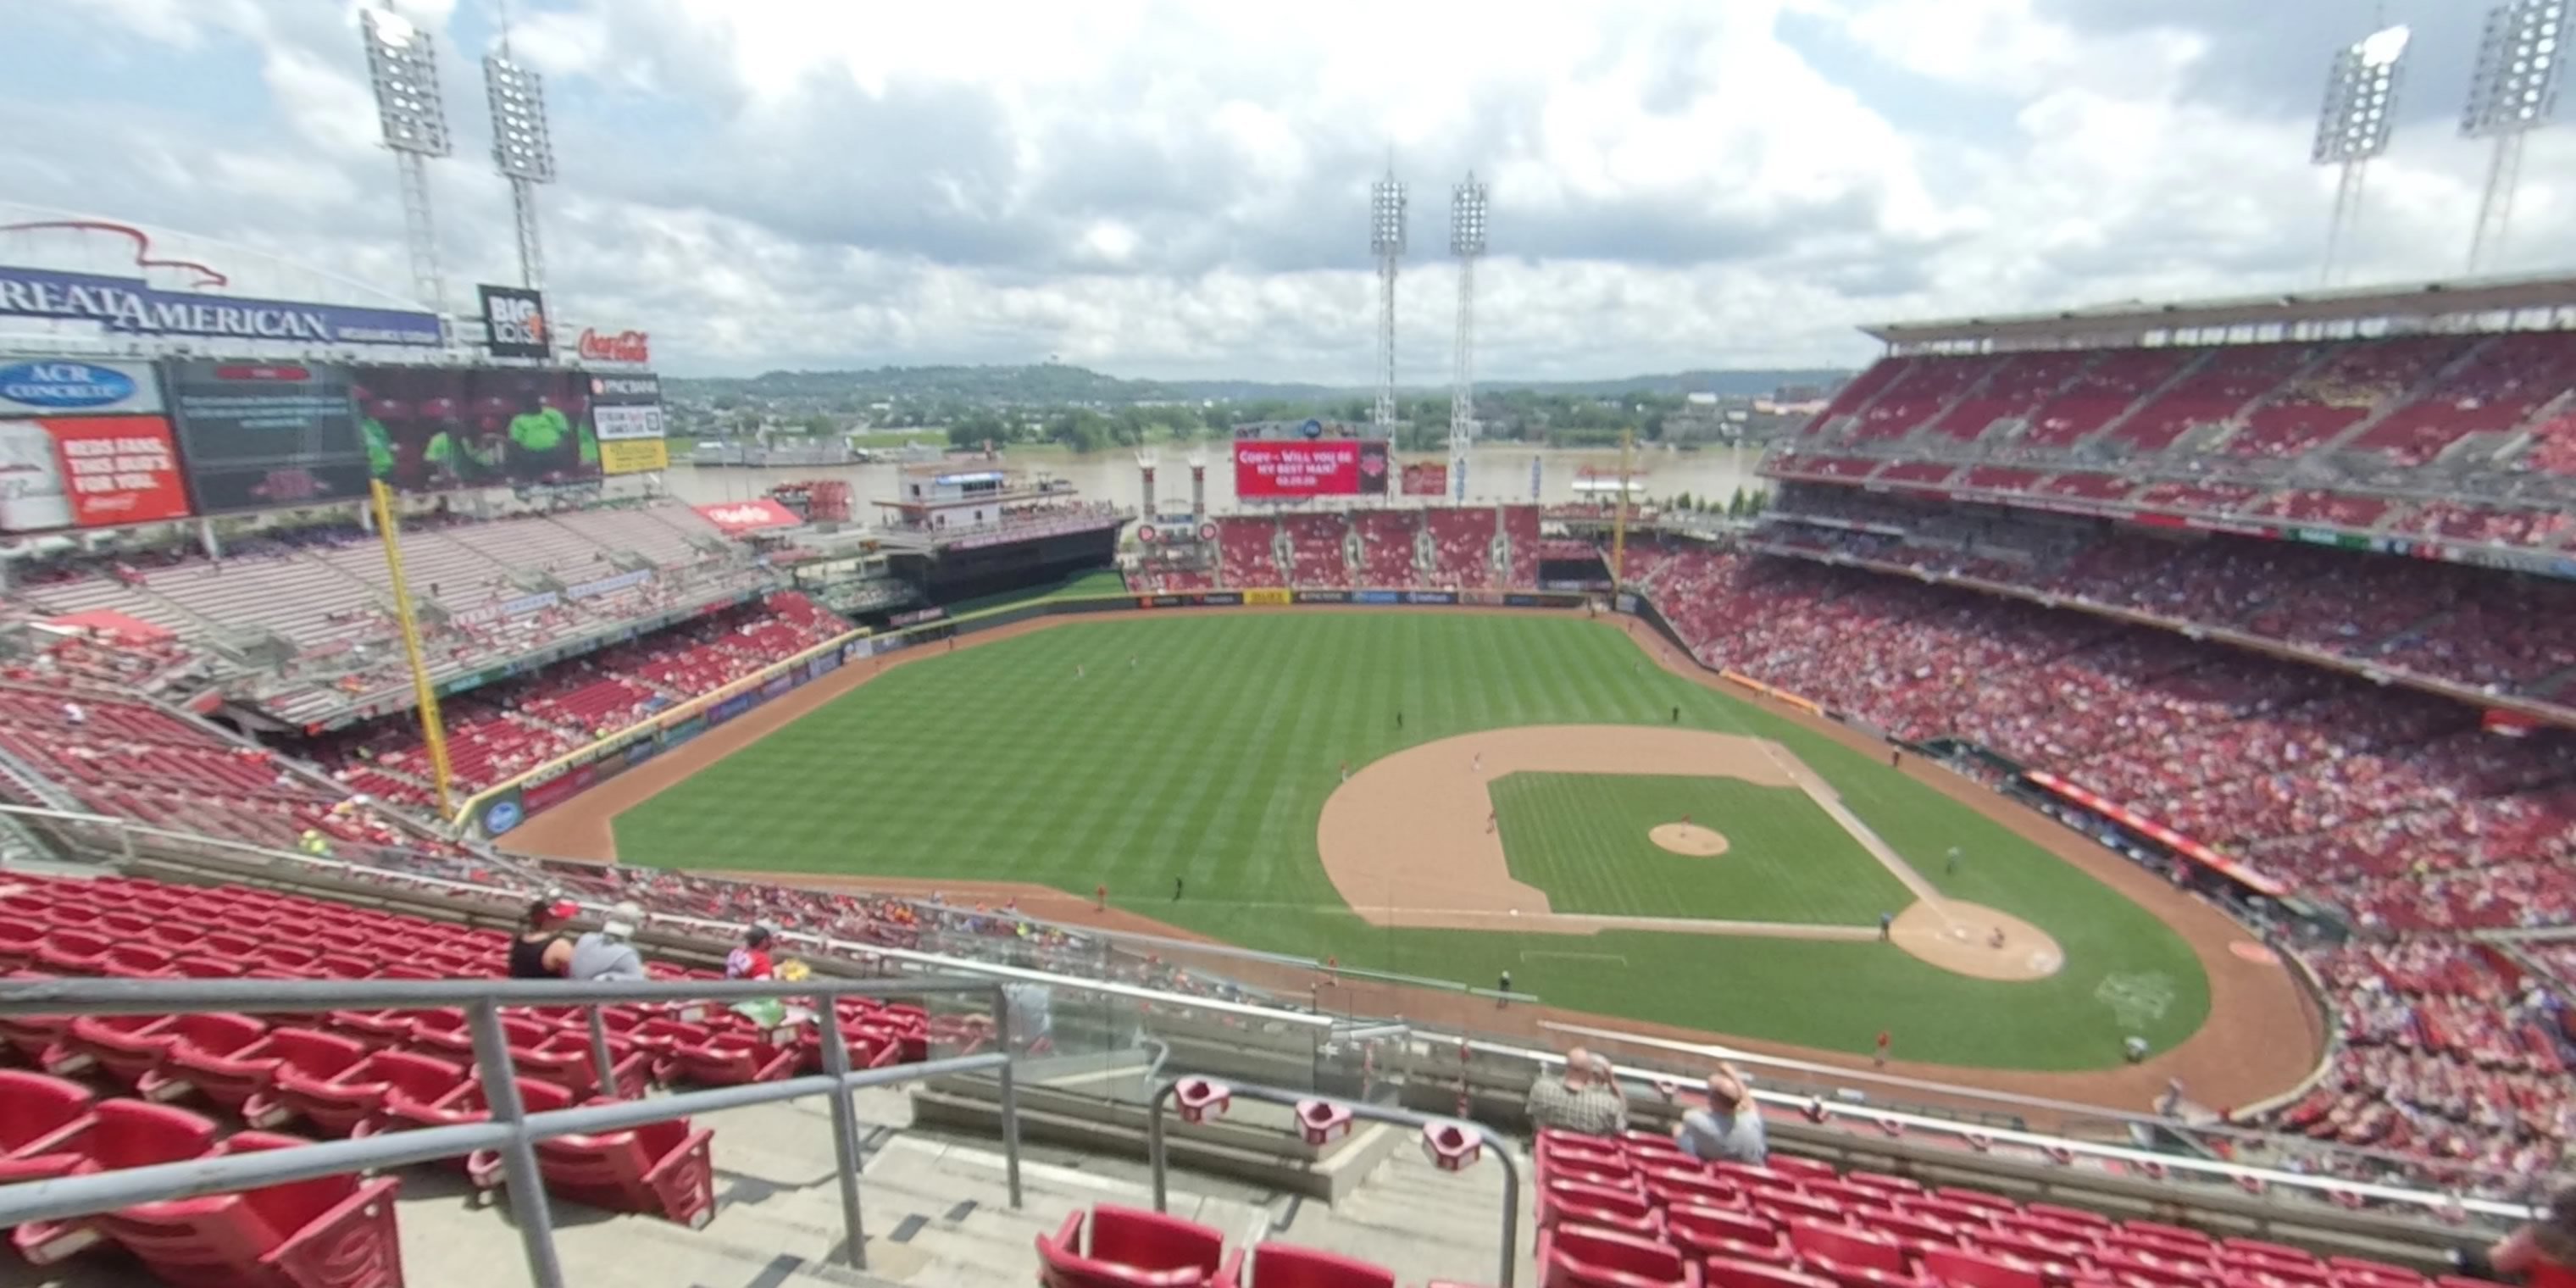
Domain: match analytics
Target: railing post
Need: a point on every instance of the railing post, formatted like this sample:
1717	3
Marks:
519	1157
599	1054
1010	1089
845	1131
125	843
1511	1204
1154	1142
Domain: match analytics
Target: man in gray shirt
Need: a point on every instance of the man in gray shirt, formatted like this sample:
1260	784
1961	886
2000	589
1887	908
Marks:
605	953
1730	1129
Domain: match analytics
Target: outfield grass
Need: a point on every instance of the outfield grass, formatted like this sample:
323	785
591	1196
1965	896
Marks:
1583	839
1210	760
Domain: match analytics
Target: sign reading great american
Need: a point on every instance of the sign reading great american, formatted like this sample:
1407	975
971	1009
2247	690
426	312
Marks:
133	306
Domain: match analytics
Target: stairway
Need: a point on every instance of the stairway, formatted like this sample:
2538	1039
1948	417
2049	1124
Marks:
1423	1223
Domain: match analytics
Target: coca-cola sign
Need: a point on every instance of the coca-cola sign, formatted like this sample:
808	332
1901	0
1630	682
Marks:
624	346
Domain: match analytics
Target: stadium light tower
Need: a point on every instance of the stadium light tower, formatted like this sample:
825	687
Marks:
402	67
523	149
2354	124
2514	92
1466	241
1386	239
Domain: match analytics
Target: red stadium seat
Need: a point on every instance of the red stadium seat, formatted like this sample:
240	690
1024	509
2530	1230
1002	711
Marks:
1675	1187
1959	1268
1128	1249
307	1056
18	941
118	1133
66	951
330	1232
1786	1205
37	1115
1610	1207
1729	1272
732	1058
1708	1232
661	1169
1279	1265
231	1077
1582	1256
124	1046
1850	1256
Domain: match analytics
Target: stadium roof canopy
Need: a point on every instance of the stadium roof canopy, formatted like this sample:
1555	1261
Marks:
2523	301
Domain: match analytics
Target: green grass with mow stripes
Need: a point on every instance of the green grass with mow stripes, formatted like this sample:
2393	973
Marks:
1210	757
1583	838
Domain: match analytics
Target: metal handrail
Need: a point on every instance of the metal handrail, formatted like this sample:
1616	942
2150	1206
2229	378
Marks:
511	1129
1495	1142
915	960
2211	1169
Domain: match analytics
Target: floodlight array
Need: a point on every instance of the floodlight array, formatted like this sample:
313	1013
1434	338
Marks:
2361	99
1386	217
402	68
1467	218
522	146
2515	87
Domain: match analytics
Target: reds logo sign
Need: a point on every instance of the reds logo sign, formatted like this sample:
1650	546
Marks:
625	346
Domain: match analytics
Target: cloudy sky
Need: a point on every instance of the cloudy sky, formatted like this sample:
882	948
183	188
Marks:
1179	189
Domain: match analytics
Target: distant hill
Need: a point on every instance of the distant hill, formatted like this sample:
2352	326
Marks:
1055	384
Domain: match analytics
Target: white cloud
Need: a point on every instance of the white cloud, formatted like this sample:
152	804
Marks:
1159	186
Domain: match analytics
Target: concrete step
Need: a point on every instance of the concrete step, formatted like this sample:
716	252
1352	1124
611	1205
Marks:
1423	1223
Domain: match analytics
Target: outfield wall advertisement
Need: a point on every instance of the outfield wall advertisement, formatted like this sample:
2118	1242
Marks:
84	445
628	412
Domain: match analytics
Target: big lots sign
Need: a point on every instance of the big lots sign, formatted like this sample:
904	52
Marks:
624	346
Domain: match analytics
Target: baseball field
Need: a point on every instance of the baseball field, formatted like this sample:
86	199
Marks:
1459	795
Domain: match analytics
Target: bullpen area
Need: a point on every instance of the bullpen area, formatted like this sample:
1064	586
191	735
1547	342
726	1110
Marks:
1461	794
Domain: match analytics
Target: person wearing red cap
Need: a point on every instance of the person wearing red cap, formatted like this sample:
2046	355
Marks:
541	951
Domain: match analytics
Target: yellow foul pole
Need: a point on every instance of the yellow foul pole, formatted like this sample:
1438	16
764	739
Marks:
432	731
1619	523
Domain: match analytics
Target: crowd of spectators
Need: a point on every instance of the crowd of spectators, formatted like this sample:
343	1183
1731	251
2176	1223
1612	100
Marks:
2483	628
2451	1053
518	725
1450	547
2395	804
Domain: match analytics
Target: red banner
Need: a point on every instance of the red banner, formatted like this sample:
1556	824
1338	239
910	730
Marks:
734	518
2169	838
90	472
1309	467
1426	478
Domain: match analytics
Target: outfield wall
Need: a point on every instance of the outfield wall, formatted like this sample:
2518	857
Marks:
498	809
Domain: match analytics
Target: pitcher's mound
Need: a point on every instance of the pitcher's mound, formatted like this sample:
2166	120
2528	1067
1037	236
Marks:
1961	937
1689	838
